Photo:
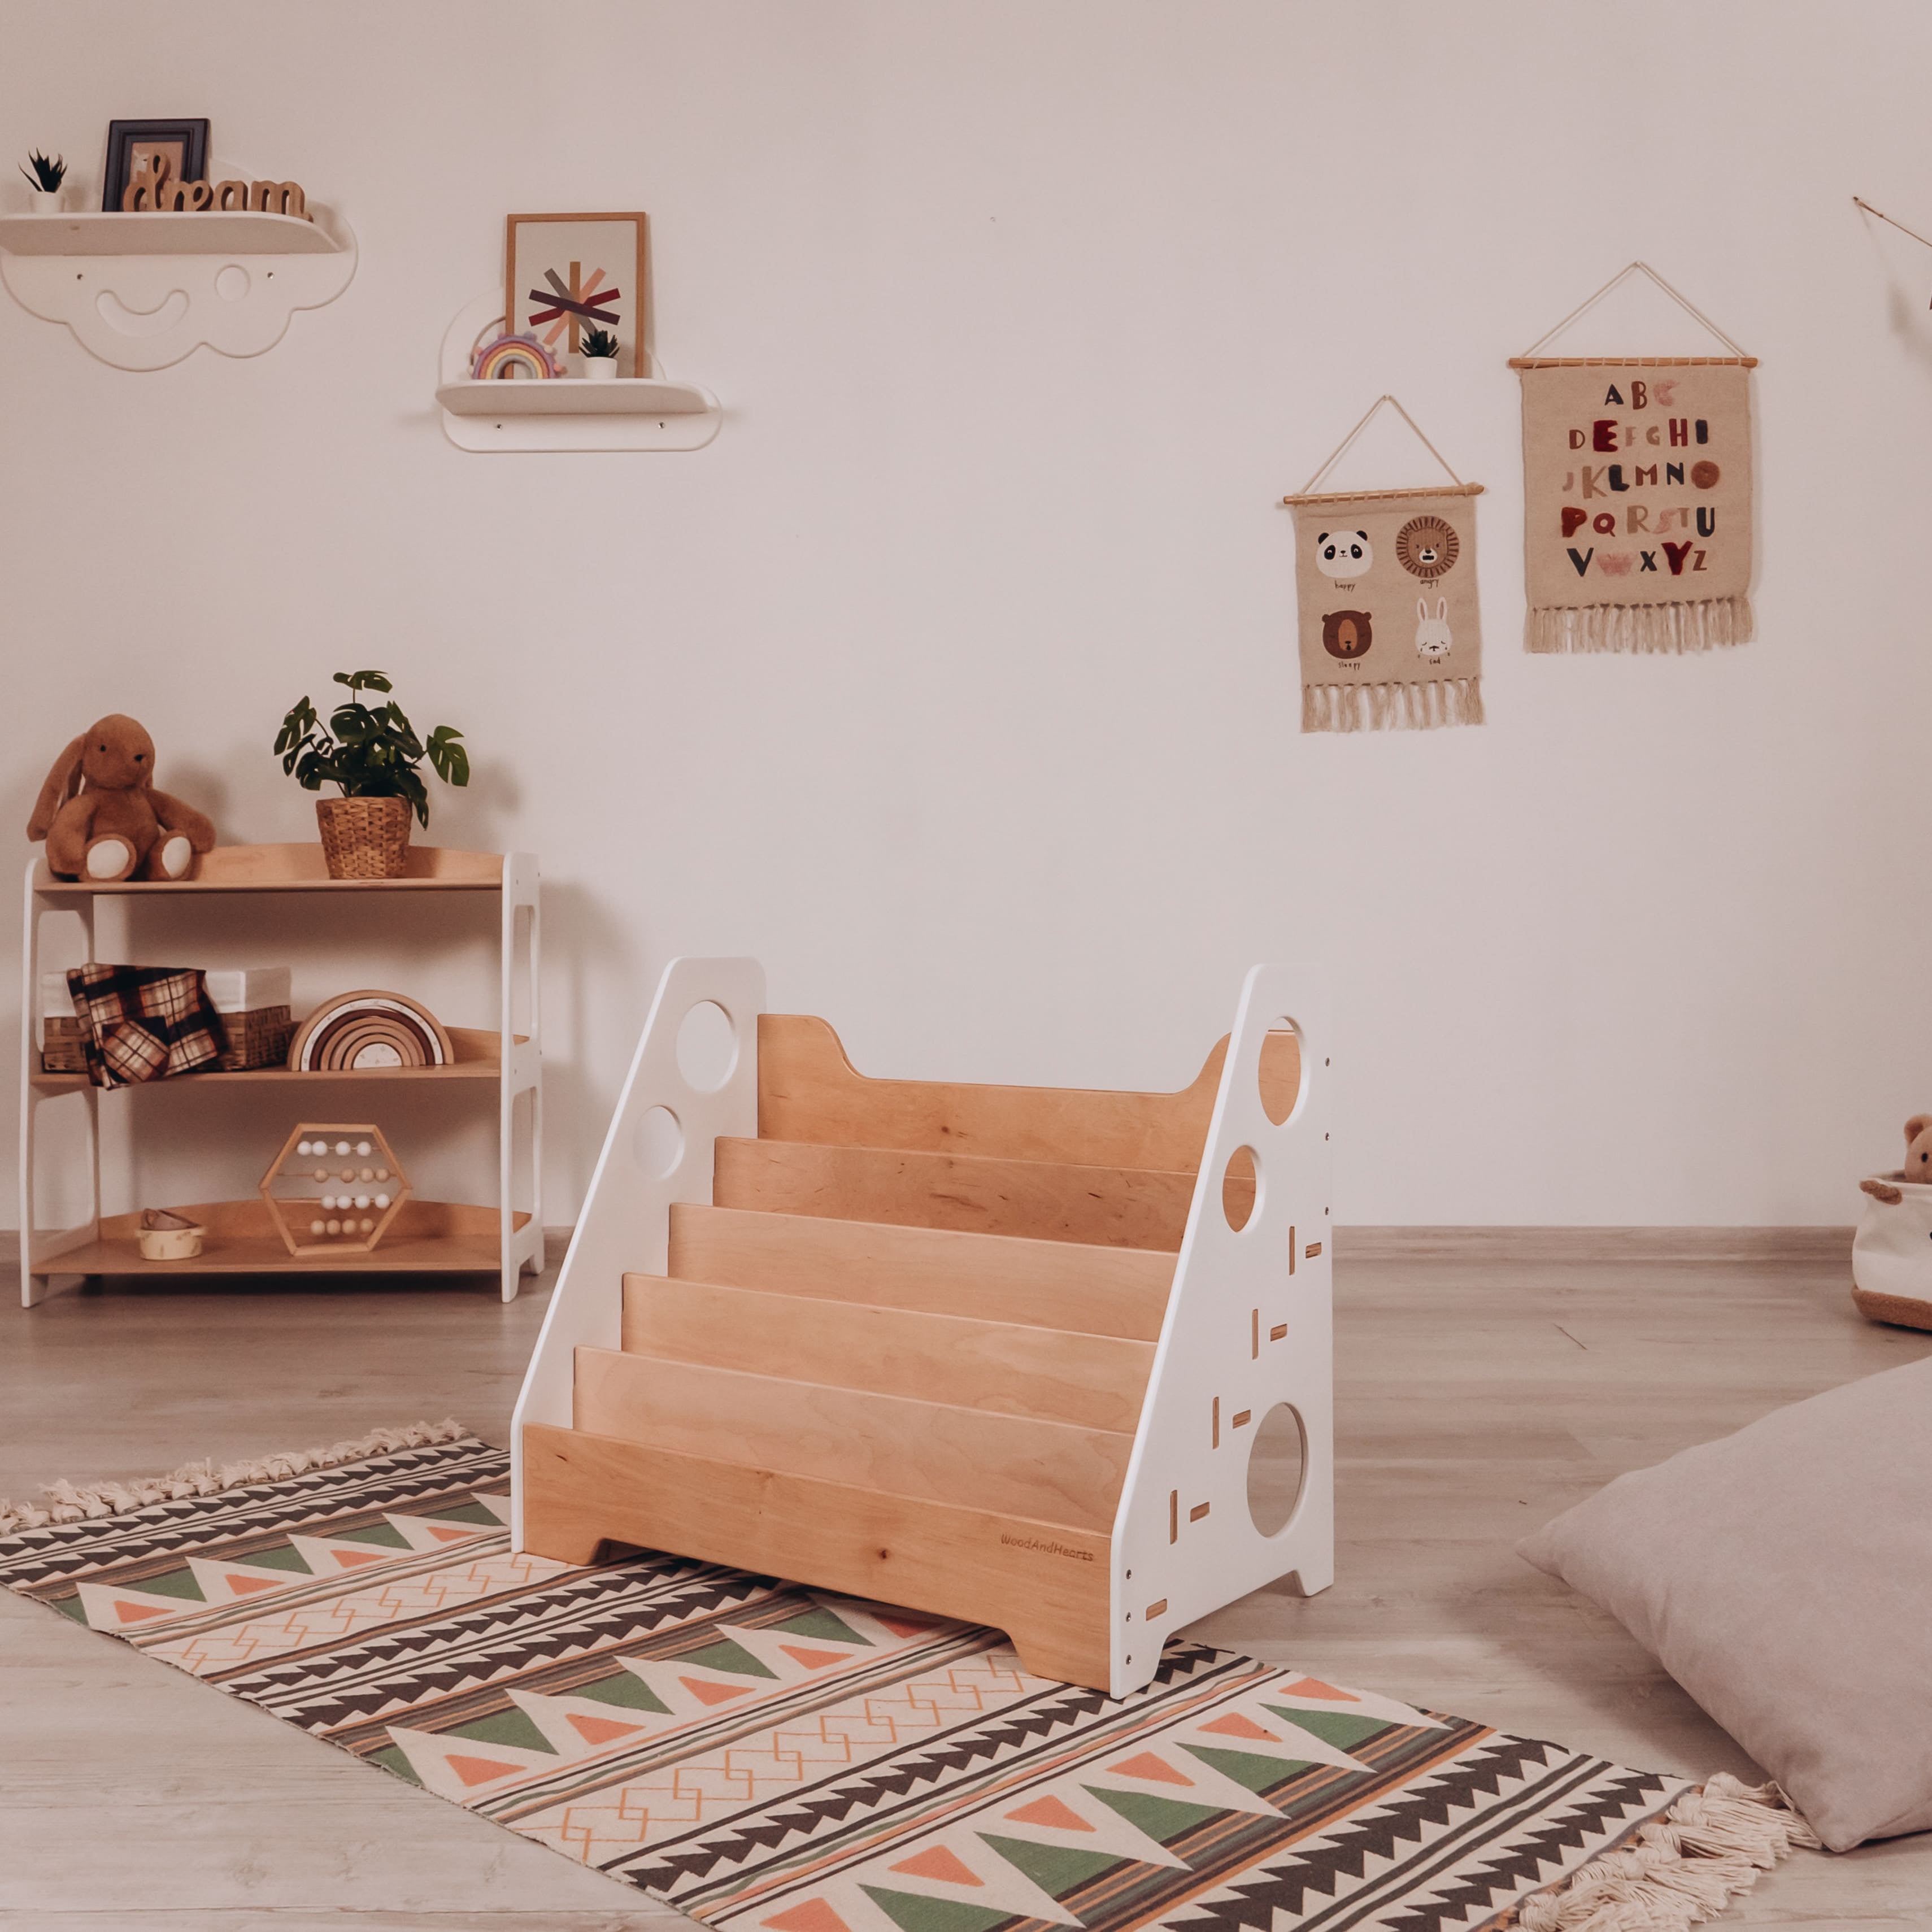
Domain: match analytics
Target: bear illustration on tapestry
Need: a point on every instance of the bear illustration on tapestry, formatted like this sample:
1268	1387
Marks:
1346	634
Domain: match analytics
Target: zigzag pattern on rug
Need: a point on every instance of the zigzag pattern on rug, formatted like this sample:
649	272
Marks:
770	1759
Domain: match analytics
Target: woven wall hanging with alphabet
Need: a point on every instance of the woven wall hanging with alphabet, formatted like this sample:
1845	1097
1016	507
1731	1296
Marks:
1385	596
1636	494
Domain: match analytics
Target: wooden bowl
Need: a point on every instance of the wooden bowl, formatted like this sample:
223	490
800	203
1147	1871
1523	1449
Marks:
181	1242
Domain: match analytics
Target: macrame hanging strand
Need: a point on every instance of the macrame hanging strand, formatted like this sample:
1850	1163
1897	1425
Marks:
1342	448
1622	275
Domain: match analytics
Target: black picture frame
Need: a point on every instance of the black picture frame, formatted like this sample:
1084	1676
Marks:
124	136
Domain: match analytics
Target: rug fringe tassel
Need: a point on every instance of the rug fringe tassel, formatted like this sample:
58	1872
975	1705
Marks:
1709	624
1420	707
1679	1869
64	1502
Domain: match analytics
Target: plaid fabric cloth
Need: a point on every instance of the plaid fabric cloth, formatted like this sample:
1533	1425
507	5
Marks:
144	1022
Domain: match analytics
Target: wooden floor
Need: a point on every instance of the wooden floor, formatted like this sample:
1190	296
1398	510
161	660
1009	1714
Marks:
1474	1401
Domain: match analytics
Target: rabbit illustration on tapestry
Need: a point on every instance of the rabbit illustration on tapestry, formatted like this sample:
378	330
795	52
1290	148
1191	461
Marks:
1432	641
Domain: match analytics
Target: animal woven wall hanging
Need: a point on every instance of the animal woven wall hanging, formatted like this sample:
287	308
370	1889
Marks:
1385	594
1637	495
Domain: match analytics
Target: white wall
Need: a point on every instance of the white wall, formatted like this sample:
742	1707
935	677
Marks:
957	678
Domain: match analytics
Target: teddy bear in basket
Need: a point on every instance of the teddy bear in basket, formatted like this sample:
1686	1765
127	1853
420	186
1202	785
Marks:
1891	1252
103	820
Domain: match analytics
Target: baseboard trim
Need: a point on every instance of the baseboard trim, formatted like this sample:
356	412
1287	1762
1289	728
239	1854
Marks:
1479	1244
1594	1244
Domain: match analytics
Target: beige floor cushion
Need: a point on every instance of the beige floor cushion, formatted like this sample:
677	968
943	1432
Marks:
1783	1577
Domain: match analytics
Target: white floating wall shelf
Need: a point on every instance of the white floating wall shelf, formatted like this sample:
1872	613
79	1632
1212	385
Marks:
143	291
567	413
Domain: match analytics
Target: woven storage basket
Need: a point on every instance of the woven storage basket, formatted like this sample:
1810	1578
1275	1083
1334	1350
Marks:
258	1037
364	838
61	1049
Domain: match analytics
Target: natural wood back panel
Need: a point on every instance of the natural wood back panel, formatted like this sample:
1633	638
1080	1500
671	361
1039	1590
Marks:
808	1090
1103	1206
1044	1584
1049	1471
1091	1291
1096	1382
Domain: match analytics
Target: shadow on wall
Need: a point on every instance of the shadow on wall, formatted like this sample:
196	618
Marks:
586	950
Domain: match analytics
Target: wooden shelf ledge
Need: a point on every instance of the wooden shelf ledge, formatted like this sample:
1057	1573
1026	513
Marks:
573	396
295	868
443	1236
182	232
477	1058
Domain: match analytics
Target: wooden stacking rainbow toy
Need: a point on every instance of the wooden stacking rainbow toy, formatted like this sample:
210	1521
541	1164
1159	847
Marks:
369	1031
512	356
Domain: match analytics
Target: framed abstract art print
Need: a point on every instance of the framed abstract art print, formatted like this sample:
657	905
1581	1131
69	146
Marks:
567	273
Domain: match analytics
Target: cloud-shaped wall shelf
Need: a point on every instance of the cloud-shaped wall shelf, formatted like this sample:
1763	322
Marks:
142	291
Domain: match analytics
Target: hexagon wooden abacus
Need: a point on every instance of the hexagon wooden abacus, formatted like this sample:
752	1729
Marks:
353	1188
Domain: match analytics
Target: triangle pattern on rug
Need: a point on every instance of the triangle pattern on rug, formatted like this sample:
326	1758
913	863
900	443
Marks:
795	1660
328	1557
420	1533
690	1690
1067	1817
1163	1769
885	1627
1311	1694
242	1582
955	1864
1244	1723
464	1768
584	1727
125	1611
736	1779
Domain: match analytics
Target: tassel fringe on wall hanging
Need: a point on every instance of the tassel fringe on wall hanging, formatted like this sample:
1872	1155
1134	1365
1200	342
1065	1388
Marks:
1385	595
1637	495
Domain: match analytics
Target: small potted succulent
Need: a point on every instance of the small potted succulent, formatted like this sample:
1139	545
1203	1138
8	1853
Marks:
599	348
46	179
373	754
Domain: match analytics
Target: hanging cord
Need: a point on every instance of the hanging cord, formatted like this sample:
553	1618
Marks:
1684	302
1858	201
1308	488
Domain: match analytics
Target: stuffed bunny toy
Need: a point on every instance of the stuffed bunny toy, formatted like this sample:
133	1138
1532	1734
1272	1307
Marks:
102	818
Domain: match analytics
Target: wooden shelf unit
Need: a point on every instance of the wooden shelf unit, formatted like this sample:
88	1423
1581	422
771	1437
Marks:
505	1238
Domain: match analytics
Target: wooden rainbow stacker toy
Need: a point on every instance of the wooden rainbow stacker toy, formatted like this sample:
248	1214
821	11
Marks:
1020	1356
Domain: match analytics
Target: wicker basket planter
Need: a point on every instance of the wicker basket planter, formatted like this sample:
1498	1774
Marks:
364	838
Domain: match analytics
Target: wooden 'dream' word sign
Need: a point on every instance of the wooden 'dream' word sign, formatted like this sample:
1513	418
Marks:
150	191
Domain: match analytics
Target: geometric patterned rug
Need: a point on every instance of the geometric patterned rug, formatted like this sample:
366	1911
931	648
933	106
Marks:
772	1759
